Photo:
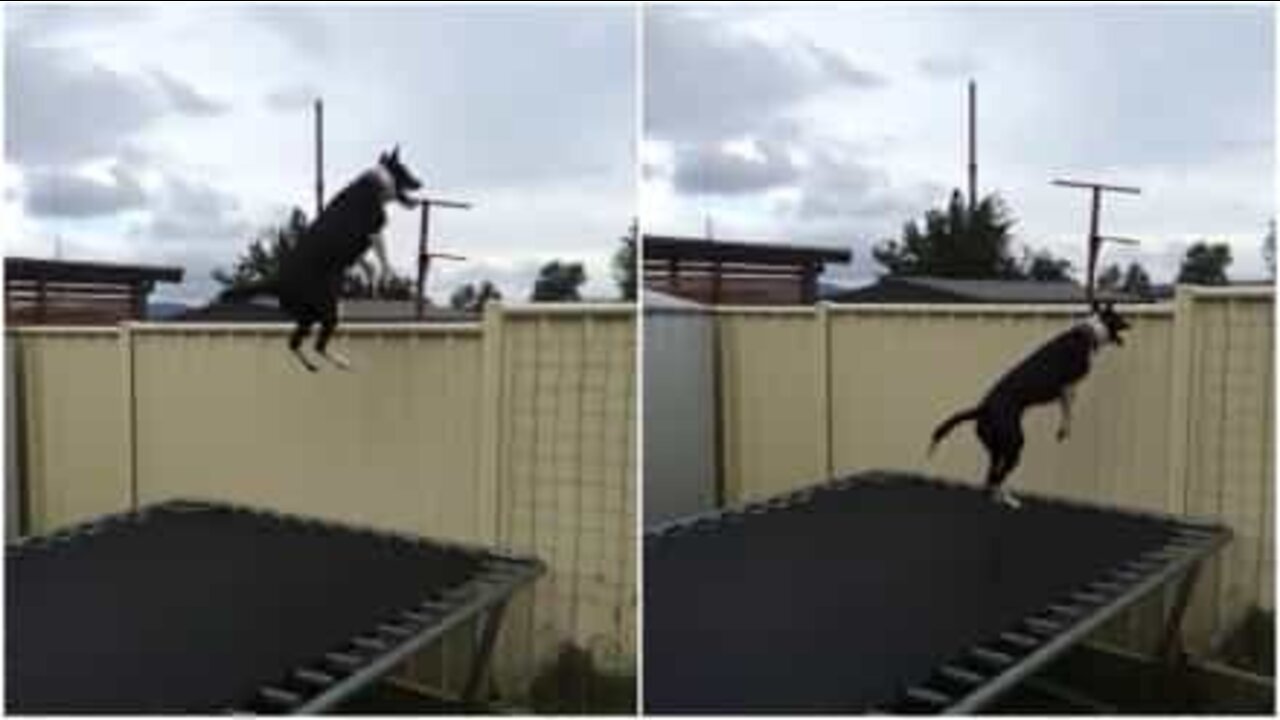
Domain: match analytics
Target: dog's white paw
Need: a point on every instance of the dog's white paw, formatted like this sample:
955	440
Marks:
338	361
1004	497
305	362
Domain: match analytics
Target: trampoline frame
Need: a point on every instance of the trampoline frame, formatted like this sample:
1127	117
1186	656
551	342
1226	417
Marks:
996	666
367	657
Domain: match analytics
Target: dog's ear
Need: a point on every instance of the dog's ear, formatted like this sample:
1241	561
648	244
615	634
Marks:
395	152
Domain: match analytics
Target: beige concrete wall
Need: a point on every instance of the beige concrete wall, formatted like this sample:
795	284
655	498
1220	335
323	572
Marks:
229	414
773	413
517	432
568	466
1178	420
73	385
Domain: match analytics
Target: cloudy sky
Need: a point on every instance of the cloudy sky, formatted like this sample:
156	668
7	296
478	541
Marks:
171	134
834	126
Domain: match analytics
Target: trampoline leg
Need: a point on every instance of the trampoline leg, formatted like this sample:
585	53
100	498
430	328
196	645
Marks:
1170	651
484	650
1168	691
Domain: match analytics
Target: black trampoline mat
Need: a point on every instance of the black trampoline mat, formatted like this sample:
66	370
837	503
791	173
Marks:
191	608
841	601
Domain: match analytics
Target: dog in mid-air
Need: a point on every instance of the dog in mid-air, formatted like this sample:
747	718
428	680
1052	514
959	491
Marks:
313	268
1049	374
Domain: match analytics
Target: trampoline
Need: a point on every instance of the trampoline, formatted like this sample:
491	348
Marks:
887	592
203	607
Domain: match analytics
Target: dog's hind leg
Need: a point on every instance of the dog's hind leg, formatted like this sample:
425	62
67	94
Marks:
1003	440
327	326
300	332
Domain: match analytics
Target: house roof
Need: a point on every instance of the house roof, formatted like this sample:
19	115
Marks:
668	247
350	311
985	291
80	271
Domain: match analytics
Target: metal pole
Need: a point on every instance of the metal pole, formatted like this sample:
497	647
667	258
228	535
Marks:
424	257
1093	242
424	228
1095	239
319	139
973	146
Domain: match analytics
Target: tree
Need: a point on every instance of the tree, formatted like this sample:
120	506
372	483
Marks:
1110	278
1137	281
473	297
954	243
559	282
1269	248
356	284
624	265
1042	266
1205	264
260	264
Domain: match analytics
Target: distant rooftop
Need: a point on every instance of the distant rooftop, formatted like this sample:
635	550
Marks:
663	247
934	289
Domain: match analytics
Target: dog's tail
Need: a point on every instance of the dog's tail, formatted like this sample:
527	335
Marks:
942	430
244	291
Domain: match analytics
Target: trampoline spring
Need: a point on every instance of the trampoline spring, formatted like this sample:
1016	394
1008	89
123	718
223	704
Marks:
1141	566
395	631
457	594
1128	576
367	643
1043	626
280	697
1065	610
1105	586
315	677
925	695
1164	555
416	617
991	656
343	660
1022	641
1090	598
968	677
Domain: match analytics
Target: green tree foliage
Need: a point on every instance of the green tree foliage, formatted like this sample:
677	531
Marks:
1205	264
474	296
260	264
1044	267
624	265
952	243
559	282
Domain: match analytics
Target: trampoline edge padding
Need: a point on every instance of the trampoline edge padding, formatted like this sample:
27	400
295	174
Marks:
978	673
318	682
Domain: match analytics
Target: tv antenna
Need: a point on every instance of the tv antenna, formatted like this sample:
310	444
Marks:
1095	239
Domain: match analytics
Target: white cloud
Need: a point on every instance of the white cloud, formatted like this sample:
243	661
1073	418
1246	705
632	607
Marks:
526	111
1178	100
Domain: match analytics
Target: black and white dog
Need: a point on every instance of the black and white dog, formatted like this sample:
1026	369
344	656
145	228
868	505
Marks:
1048	374
312	270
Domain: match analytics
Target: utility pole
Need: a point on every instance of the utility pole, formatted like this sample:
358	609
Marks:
973	147
424	255
319	133
1095	240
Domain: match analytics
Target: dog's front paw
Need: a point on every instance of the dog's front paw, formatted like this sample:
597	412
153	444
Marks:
1006	498
1063	434
338	361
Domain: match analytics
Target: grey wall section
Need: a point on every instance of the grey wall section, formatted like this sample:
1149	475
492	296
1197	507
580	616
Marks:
679	418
